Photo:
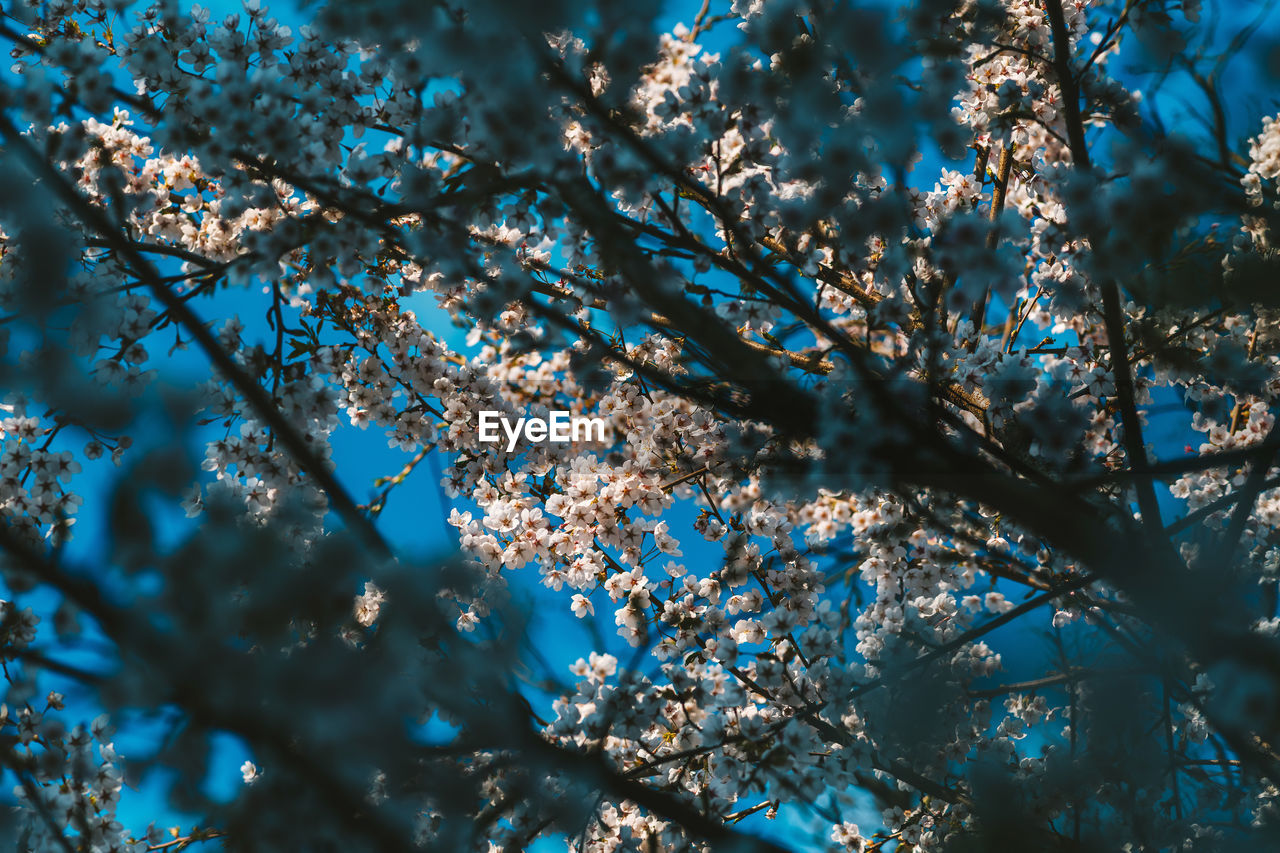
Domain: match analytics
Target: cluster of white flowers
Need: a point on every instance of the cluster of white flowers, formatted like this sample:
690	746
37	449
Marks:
85	801
659	249
1264	159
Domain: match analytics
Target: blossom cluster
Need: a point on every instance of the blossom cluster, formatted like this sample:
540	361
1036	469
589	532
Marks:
807	364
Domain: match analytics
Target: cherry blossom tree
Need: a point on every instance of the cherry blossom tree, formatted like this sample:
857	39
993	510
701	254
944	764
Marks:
879	308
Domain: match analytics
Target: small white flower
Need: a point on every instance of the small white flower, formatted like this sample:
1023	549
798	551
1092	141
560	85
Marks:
369	604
